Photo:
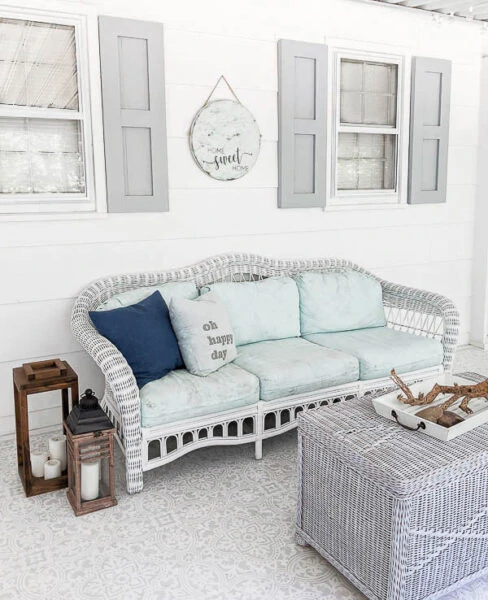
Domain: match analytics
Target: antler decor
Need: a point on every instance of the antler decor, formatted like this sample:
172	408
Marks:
439	414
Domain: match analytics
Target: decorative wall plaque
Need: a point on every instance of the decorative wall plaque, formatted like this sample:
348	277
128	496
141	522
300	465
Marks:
224	138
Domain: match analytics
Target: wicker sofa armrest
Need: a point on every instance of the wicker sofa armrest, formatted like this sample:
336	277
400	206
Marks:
120	380
423	313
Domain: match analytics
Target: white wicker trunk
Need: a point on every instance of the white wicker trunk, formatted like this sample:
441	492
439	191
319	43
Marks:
407	309
402	515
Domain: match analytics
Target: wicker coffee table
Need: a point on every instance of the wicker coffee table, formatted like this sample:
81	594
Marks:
402	515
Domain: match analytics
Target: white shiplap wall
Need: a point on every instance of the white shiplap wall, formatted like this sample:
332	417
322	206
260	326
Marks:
45	263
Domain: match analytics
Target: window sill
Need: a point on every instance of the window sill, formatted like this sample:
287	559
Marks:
53	216
350	206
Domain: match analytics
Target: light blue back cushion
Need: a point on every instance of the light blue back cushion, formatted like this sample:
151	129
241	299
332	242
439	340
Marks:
260	310
170	290
339	301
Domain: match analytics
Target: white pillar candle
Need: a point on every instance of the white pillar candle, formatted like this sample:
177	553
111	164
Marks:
57	449
38	458
52	468
90	476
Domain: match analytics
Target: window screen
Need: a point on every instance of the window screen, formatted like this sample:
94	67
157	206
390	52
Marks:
41	134
367	140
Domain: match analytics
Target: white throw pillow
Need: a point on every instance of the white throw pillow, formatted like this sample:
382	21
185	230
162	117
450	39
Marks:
204	333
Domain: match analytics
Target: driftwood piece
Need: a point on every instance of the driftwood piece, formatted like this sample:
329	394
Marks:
465	393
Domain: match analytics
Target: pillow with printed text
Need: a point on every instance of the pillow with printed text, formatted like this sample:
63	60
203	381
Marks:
204	333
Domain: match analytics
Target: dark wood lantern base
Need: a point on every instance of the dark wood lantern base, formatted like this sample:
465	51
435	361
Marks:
83	508
85	448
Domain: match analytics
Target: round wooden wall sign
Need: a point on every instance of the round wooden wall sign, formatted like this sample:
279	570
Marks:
225	139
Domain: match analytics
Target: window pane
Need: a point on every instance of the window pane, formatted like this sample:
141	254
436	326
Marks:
351	75
40	156
38	64
378	109
351	107
368	93
366	161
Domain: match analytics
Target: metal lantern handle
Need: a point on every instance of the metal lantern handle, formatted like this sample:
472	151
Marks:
88	400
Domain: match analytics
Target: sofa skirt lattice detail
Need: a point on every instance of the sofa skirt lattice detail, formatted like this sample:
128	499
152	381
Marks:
283	419
176	441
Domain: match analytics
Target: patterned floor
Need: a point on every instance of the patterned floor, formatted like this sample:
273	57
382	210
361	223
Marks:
213	525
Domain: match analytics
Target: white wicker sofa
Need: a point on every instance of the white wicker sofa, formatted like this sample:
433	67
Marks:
411	310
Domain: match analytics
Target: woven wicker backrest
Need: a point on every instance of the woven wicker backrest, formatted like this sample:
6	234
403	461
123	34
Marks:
407	309
225	267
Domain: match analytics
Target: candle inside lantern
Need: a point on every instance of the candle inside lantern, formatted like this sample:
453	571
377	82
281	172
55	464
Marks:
52	468
90	480
57	449
38	458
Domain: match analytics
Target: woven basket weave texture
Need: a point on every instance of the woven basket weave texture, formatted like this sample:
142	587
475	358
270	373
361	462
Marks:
403	515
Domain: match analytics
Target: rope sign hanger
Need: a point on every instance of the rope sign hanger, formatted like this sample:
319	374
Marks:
224	137
224	79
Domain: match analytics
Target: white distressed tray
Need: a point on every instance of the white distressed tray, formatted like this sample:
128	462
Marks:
385	405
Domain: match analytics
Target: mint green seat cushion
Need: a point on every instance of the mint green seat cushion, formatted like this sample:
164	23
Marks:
170	290
339	301
260	310
381	349
295	366
181	395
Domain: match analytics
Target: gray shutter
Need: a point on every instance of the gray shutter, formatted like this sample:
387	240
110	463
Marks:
134	117
429	130
302	81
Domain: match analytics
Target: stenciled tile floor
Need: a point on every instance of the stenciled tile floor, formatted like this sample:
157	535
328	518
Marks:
216	524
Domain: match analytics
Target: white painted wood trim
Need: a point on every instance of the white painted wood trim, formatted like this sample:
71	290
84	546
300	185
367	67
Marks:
338	49
89	113
479	303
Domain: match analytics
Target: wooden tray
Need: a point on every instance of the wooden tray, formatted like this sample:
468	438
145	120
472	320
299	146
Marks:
388	404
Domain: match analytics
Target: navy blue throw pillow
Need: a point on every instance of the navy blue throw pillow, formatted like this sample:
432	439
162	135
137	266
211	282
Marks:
144	335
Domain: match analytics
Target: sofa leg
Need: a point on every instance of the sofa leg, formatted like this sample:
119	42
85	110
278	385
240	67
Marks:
133	486
133	470
300	540
258	449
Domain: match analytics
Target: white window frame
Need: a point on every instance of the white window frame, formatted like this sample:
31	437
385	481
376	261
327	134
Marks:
49	203
353	198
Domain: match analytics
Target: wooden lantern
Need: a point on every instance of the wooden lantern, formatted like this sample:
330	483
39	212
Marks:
36	378
90	455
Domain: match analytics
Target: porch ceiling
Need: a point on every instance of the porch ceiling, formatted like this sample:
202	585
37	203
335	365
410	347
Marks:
467	9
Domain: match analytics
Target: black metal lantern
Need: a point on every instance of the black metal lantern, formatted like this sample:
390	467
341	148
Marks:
90	450
88	416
